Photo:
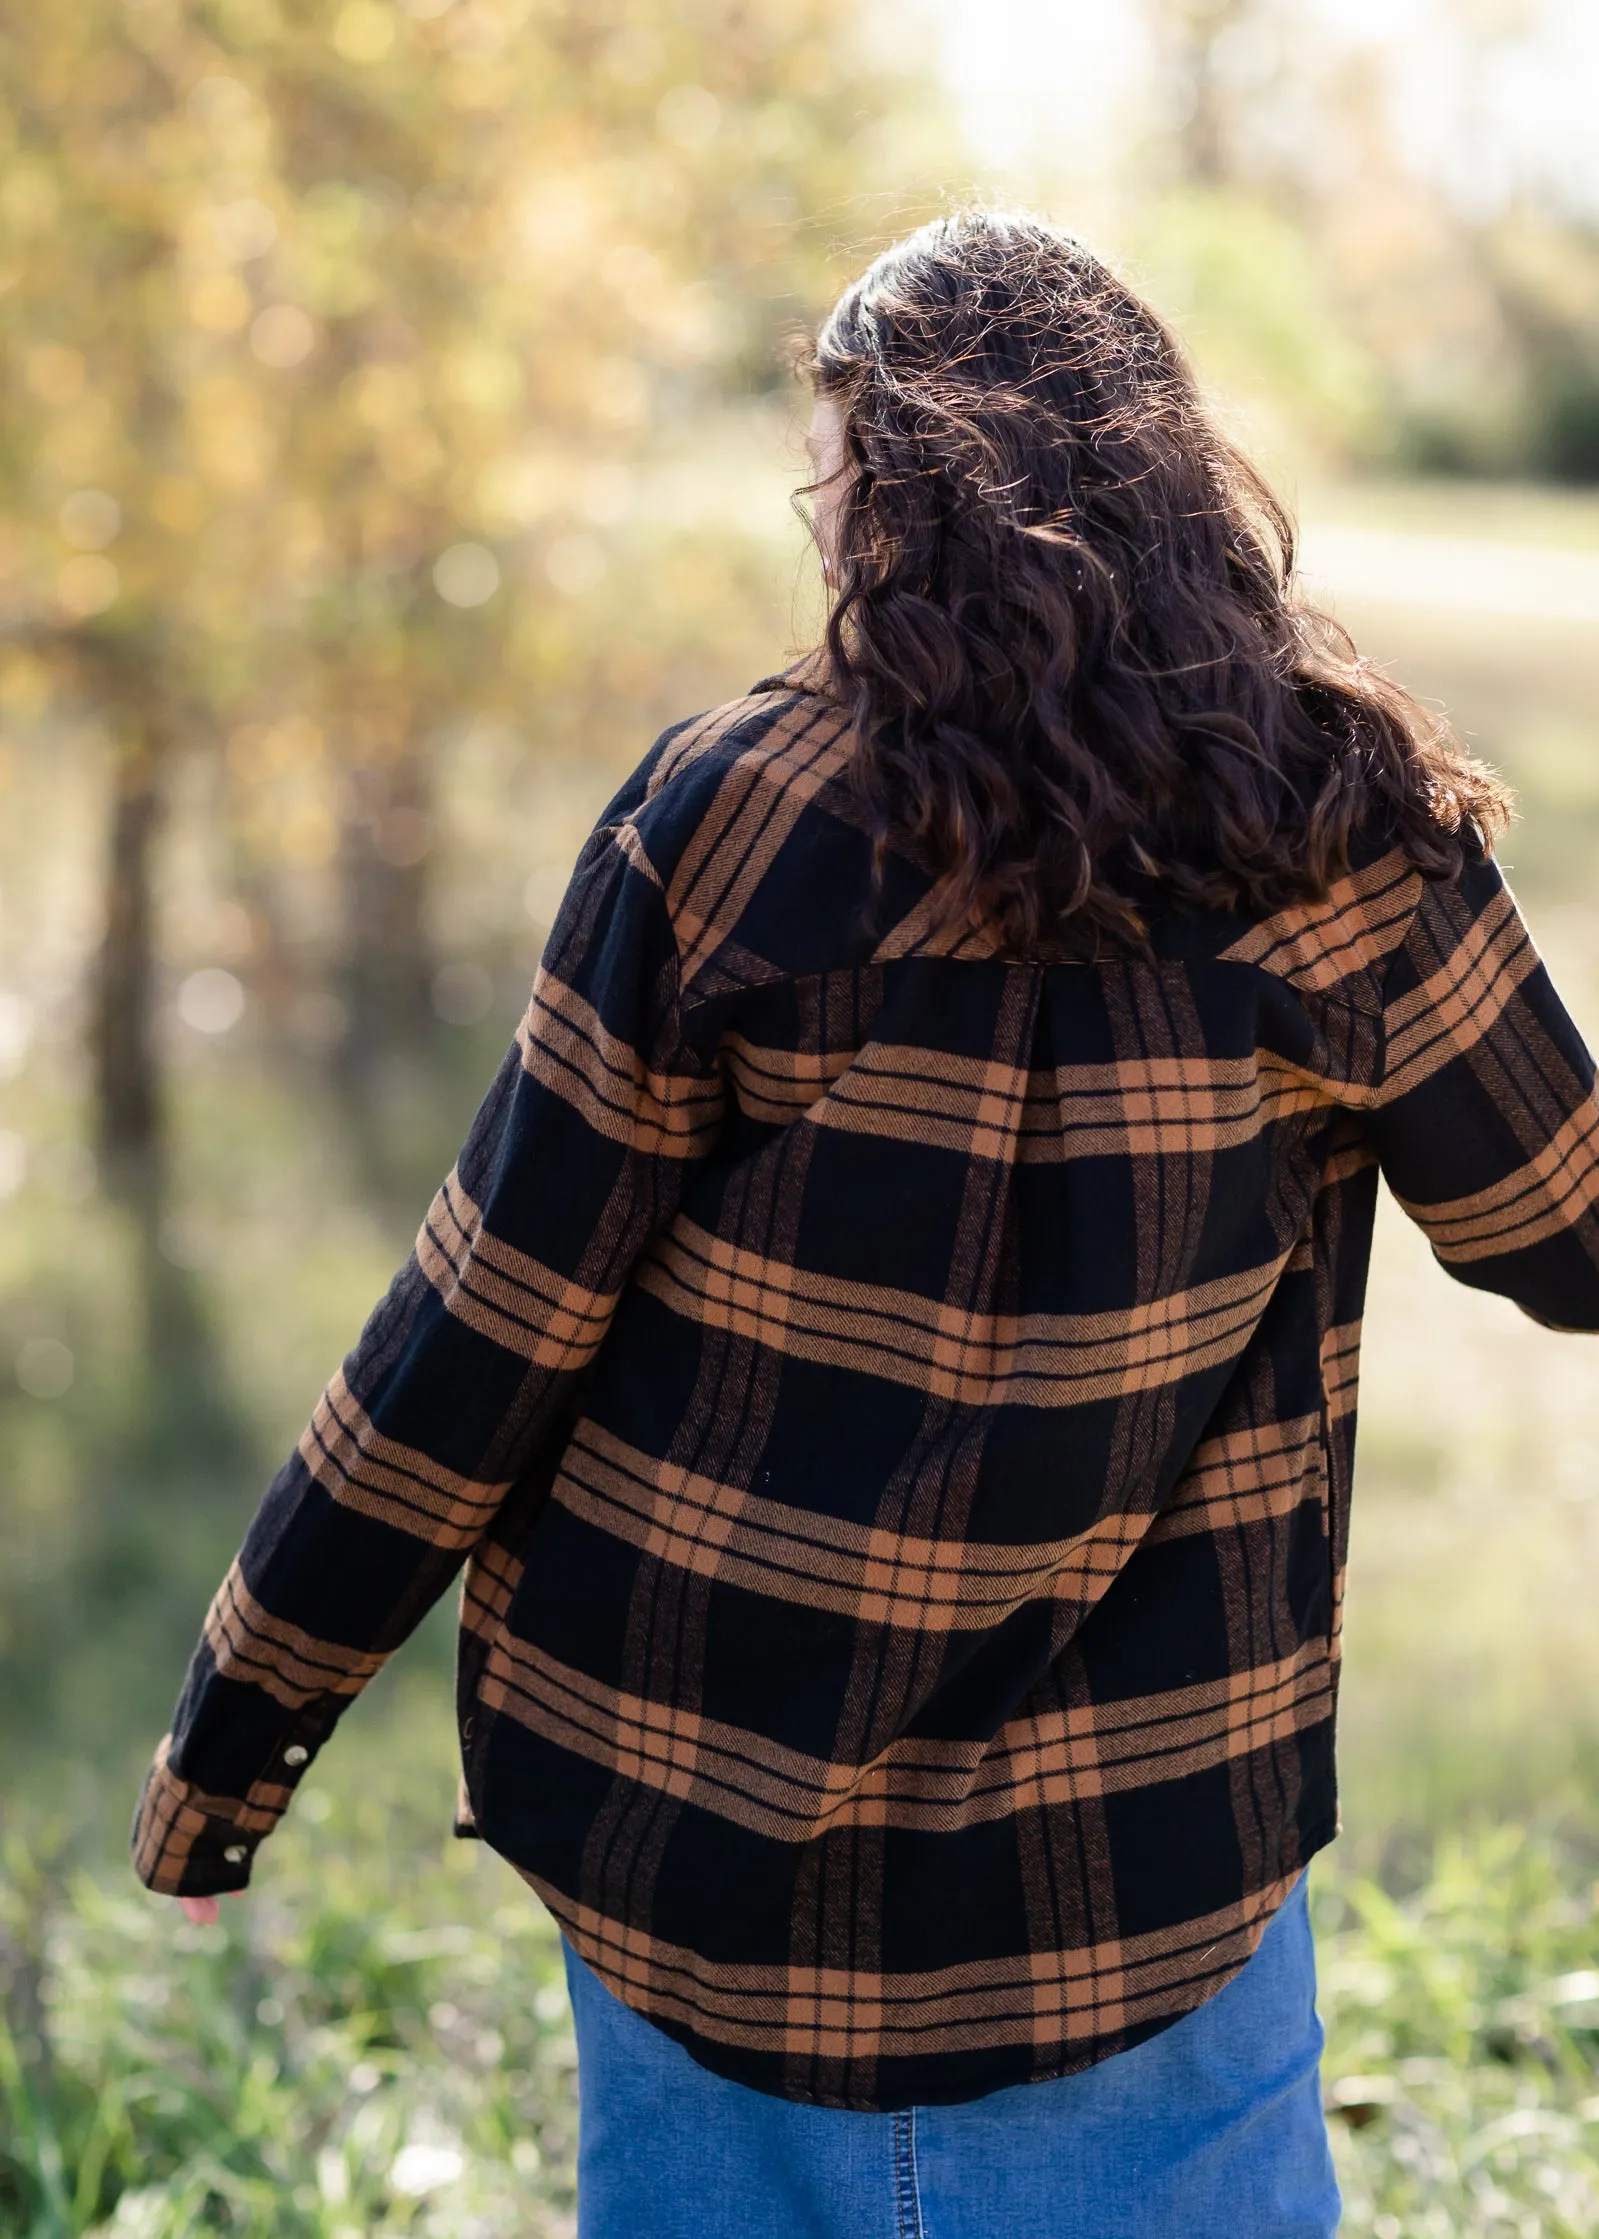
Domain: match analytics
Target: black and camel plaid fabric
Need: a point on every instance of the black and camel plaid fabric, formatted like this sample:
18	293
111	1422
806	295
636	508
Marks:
895	1404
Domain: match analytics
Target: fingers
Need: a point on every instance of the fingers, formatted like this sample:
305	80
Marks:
201	1911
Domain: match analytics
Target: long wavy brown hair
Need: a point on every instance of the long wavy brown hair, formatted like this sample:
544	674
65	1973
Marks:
1066	621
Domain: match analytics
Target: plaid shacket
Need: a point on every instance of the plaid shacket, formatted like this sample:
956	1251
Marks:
895	1404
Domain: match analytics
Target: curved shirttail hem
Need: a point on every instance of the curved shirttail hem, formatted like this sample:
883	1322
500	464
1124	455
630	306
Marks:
725	2060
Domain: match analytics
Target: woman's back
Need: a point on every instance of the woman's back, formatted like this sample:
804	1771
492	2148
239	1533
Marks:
903	1653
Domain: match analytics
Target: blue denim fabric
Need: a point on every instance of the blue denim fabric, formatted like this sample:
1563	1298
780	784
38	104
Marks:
1212	2130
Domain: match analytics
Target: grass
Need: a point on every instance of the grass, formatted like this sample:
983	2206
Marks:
1462	2065
377	2039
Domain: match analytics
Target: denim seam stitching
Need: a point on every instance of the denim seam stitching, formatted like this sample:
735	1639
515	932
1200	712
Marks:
907	2192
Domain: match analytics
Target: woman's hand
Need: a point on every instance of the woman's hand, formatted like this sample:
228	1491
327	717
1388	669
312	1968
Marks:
201	1912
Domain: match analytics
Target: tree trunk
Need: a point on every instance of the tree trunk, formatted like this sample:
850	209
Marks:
126	1075
383	1066
1189	31
388	962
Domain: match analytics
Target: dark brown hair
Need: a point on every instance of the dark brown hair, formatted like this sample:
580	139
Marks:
1065	622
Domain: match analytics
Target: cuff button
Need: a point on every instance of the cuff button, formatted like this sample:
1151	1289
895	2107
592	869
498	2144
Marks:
295	1754
236	1854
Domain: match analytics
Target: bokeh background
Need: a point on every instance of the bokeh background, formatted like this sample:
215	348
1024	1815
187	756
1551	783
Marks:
396	433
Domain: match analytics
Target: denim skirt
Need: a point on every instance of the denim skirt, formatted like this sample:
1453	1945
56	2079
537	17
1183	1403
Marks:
1212	2130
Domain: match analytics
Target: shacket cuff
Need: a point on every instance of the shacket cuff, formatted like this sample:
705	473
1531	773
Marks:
187	1843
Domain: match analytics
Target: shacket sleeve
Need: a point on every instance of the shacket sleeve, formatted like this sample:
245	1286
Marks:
1485	1120
577	1156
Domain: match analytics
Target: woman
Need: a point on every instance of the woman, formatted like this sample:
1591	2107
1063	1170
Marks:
887	1353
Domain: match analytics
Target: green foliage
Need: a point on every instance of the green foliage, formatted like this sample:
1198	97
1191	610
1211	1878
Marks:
1247	286
1547	279
1408	338
1522	397
386	2049
1463	2054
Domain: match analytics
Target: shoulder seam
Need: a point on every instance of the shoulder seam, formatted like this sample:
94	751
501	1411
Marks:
718	726
628	842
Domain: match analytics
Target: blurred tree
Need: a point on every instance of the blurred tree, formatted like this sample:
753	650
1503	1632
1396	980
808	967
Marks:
1229	239
1538	266
1193	40
329	329
1361	301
